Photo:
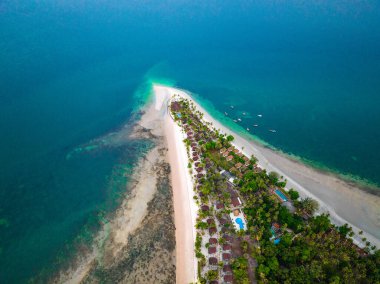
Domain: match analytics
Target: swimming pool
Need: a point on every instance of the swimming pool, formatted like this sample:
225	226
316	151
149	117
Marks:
281	195
240	222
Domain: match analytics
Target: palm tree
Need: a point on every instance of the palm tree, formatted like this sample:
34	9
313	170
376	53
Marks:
308	205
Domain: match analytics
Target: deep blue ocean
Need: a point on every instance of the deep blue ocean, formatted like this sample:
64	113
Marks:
75	71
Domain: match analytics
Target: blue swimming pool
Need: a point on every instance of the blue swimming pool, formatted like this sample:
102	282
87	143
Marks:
281	195
240	222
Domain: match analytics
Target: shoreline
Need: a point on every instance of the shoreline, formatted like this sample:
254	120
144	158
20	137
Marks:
144	219
343	201
363	184
185	208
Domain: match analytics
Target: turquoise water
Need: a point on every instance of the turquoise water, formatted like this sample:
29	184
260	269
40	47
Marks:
240	222
281	195
74	71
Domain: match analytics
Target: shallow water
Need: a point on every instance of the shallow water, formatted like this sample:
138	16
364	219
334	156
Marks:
74	71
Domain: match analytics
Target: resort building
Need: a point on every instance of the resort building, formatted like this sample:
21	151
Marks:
227	268
175	106
213	261
238	165
219	205
213	241
230	177
226	256
205	208
212	250
212	231
226	247
210	221
236	201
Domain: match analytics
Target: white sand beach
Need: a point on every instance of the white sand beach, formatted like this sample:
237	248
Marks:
185	209
344	201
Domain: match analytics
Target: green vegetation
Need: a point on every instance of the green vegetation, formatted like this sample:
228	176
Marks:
212	275
308	206
230	138
309	249
239	269
293	194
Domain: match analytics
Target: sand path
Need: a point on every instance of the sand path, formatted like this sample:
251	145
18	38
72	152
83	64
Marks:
185	209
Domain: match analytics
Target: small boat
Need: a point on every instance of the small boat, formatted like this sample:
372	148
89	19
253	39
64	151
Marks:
255	125
232	106
235	120
225	113
260	115
247	129
239	119
272	130
244	113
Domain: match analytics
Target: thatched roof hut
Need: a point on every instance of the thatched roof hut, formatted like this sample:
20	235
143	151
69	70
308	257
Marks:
213	261
212	250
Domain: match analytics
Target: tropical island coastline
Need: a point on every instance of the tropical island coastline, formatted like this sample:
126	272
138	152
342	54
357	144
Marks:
332	194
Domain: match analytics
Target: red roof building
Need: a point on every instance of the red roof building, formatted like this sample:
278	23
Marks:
212	250
227	268
226	247
226	256
175	106
222	221
219	205
212	231
205	208
210	221
235	201
227	278
213	241
227	238
238	165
